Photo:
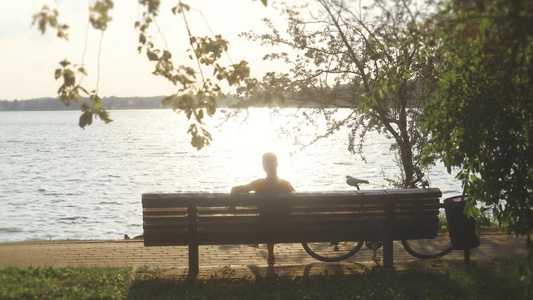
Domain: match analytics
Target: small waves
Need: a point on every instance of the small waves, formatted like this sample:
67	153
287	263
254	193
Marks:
10	229
110	203
342	163
72	220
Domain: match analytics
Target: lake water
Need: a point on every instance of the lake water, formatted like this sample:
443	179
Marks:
58	181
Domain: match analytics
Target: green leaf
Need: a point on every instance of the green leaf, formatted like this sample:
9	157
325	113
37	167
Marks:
69	77
200	116
86	119
64	63
167	100
104	116
85	107
210	105
152	56
97	105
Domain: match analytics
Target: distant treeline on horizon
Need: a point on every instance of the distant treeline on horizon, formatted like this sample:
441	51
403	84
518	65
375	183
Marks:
109	103
116	103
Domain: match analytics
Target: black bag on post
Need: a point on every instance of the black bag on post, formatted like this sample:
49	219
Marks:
462	229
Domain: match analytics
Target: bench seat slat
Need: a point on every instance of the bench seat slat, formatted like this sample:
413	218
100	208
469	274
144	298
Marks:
325	208
298	211
164	213
167	222
165	218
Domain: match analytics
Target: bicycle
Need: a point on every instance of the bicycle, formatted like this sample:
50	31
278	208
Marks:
423	249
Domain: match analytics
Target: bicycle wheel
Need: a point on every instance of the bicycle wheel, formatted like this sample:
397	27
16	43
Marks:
429	248
332	251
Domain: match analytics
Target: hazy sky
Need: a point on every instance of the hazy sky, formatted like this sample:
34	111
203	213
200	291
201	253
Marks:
28	59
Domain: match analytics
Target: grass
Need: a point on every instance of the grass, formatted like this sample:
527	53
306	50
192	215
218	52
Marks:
484	222
502	278
64	283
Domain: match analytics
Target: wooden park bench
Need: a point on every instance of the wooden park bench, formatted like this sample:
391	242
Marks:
195	219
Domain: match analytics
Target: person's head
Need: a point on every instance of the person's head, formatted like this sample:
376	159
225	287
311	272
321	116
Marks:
270	163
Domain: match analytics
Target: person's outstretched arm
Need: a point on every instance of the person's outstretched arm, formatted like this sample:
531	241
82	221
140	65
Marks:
242	189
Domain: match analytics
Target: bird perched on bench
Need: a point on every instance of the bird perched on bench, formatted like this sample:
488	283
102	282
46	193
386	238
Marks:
354	181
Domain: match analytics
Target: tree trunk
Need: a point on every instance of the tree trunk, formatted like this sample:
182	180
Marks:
406	155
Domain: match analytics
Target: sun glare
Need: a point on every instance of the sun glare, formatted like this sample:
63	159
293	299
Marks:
248	139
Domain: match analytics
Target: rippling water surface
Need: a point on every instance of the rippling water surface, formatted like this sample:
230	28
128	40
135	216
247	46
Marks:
58	181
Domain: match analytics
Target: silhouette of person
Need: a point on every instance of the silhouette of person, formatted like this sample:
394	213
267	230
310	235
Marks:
270	185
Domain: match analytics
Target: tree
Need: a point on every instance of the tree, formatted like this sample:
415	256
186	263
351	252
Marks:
196	92
371	60
481	119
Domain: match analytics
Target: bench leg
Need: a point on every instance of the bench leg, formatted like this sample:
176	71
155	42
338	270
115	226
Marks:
387	253
194	267
467	256
192	217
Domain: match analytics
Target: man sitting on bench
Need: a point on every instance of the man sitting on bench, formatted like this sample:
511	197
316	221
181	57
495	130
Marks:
271	185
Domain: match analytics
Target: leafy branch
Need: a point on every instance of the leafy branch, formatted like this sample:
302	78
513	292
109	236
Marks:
71	90
47	17
196	95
